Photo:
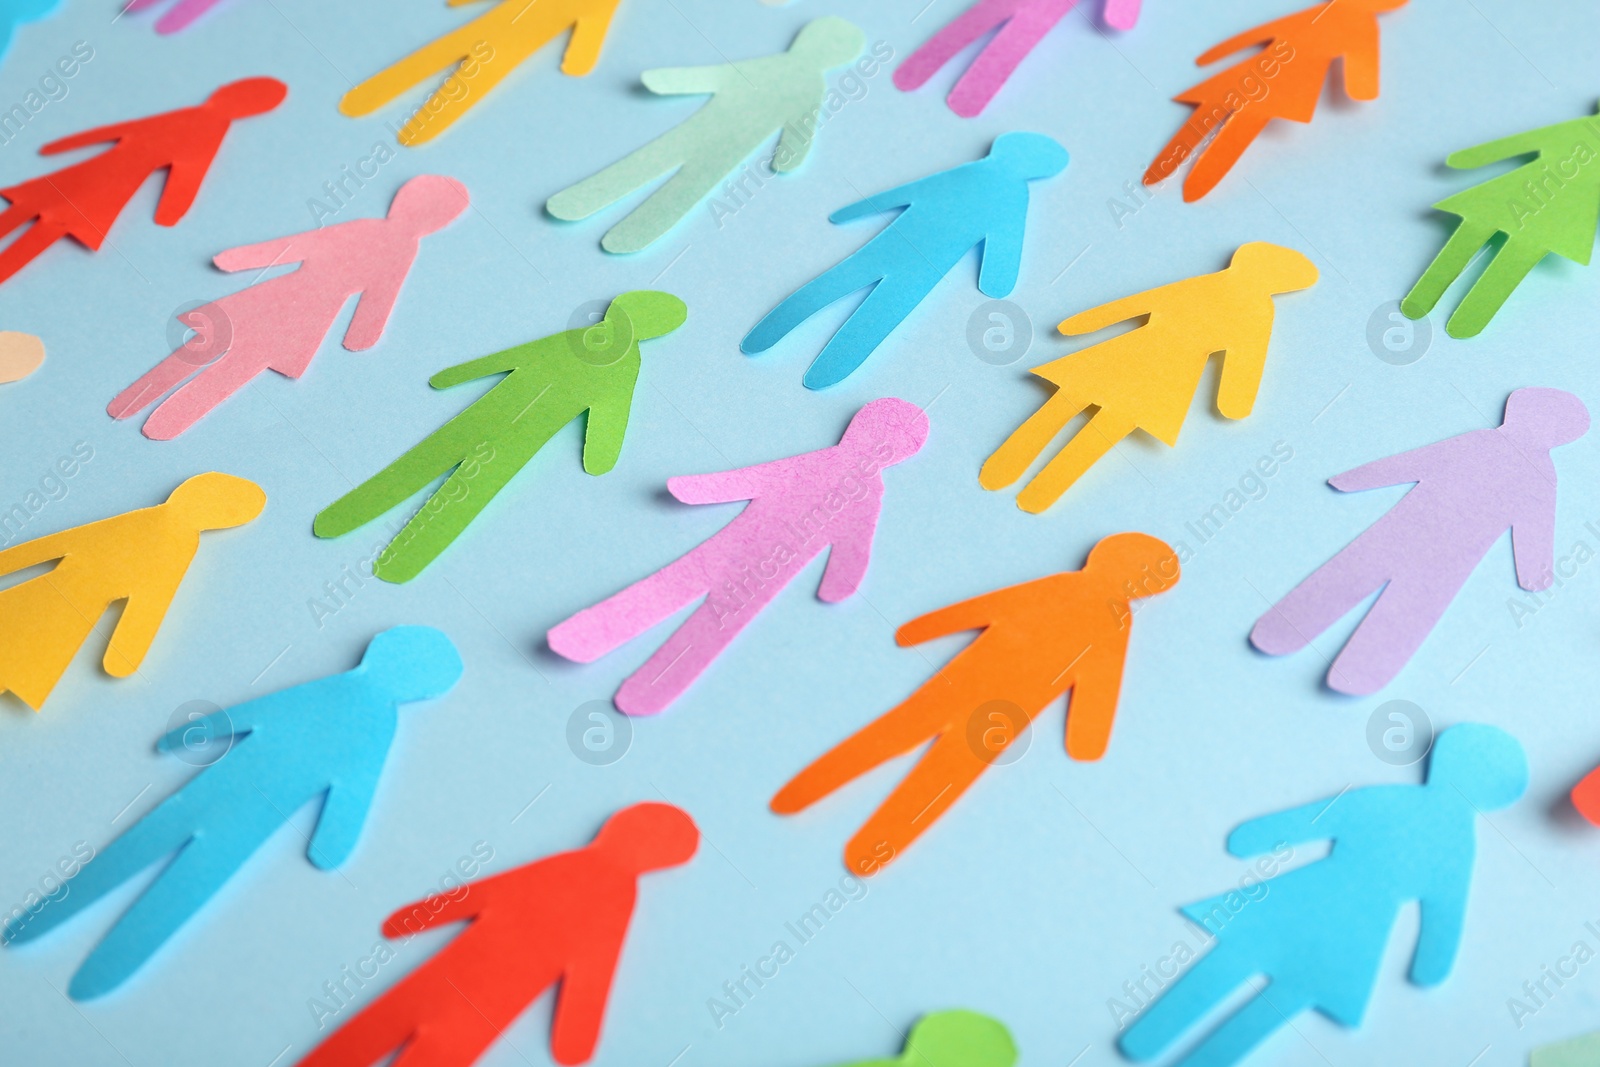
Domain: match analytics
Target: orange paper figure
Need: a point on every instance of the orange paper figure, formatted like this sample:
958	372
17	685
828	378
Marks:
483	52
1145	379
1038	640
140	557
559	919
1281	81
83	200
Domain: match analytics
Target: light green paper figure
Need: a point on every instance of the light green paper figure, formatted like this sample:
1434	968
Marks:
1579	1052
1549	204
750	101
547	384
956	1038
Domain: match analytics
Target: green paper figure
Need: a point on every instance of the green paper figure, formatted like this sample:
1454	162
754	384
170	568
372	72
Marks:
547	384
1579	1052
1550	204
956	1038
750	101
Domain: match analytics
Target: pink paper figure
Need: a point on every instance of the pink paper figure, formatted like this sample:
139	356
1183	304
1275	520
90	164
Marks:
183	12
280	323
1469	490
1022	24
798	507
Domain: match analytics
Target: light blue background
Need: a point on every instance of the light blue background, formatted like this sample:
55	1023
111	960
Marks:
1053	882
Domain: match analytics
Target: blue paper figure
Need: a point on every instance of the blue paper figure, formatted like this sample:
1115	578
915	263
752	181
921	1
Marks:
14	13
1317	933
945	216
326	738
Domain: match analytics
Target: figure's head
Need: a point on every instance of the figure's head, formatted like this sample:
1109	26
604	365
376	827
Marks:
1484	763
959	1038
248	96
888	421
216	501
1147	563
428	202
1544	418
829	41
648	836
1282	269
651	313
413	662
1029	155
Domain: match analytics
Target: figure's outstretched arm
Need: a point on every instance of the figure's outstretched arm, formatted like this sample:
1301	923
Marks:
1317	821
1092	708
1001	262
1518	144
1402	469
1120	310
581	1002
888	200
182	186
274	253
588	34
1361	65
1533	544
142	616
1263	34
46	549
460	904
685	80
373	309
725	487
236	721
1243	364
606	425
517	358
975	613
344	810
99	135
850	553
1443	915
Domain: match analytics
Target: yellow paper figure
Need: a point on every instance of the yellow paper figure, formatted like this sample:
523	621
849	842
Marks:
1145	379
140	557
483	52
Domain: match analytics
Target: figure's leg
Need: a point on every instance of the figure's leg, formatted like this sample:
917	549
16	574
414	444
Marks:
667	206
687	652
933	785
618	619
433	456
1001	56
868	266
193	401
166	829
188	882
1205	985
28	245
448	512
1238	131
1446	267
1093	440
446	52
885	308
1246	1028
956	35
457	1035
1489	293
1402	618
1324	598
622	178
1010	461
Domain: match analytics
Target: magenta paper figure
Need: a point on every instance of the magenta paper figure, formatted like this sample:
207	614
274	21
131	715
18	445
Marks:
183	12
798	507
1022	23
1469	490
280	323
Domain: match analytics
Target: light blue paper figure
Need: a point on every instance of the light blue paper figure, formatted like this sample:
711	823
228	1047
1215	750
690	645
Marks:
14	13
944	216
324	739
1317	934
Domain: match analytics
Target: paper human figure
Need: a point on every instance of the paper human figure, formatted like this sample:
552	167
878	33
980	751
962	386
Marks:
954	1038
479	55
1063	633
799	506
1539	208
1585	796
1021	25
83	200
279	324
941	218
178	17
20	355
1282	81
1469	491
14	13
751	101
560	919
1145	379
548	383
1317	933
140	558
324	740
1578	1052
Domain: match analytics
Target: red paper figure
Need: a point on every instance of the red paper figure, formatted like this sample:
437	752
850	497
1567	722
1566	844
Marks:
559	919
83	200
